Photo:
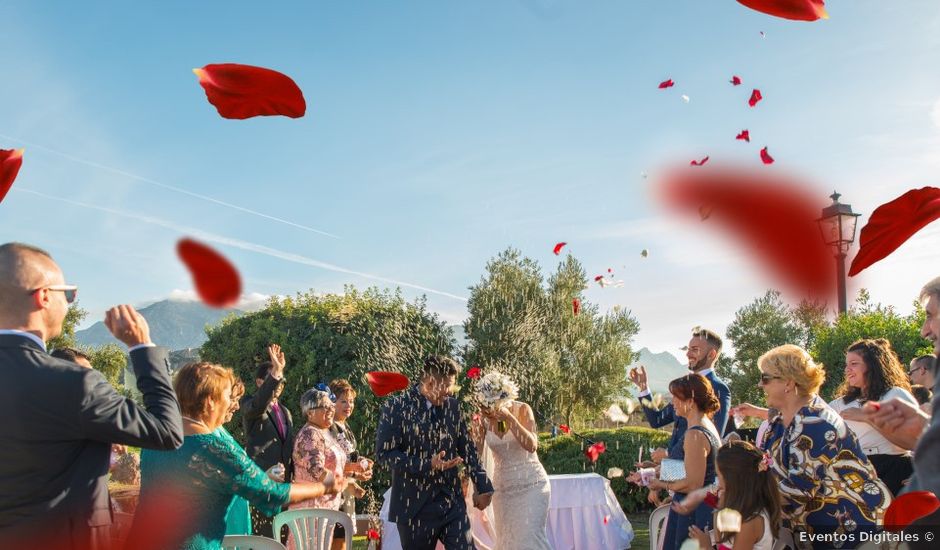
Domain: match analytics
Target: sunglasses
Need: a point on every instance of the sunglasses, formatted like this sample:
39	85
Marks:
766	378
914	370
70	291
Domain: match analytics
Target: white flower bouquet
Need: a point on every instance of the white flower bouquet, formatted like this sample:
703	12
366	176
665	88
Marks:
494	390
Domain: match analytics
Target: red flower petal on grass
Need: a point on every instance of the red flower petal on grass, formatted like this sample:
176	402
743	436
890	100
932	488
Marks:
564	428
893	223
699	162
372	534
558	247
383	383
772	216
755	97
666	84
796	10
243	91
216	279
736	80
909	507
10	162
765	156
595	450
745	135
474	372
576	306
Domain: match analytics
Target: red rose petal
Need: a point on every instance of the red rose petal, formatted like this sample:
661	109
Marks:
704	212
774	217
666	84
564	428
372	534
558	247
598	278
736	80
383	383
765	156
10	162
755	97
576	306
699	162
216	279
244	91
745	135
796	10
606	519
474	372
893	223
909	507
595	450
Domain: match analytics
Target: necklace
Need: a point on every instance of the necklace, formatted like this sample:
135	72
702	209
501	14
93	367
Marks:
194	421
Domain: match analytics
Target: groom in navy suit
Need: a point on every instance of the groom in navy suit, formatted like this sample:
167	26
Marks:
704	349
422	438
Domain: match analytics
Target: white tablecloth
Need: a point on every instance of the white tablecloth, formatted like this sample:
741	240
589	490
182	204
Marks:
576	517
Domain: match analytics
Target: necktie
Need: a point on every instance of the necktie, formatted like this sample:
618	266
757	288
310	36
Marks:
279	420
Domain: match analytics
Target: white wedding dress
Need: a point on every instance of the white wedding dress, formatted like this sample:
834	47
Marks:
522	494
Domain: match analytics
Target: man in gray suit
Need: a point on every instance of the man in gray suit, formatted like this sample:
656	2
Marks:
60	419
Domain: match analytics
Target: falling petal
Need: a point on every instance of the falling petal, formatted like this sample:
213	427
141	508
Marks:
735	80
614	472
474	372
699	162
744	135
243	91
216	279
383	383
372	534
606	519
598	278
728	520
755	97
795	10
595	450
644	175
576	306
558	247
765	156
10	162
893	223
645	253
564	428
685	98
704	212
666	84
763	34
909	507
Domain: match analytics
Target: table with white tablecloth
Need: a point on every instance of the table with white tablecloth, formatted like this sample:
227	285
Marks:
583	515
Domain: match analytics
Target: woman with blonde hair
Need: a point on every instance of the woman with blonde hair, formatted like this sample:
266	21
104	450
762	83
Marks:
184	494
830	489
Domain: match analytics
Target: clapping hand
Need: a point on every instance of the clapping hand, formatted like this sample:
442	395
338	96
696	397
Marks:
127	325
659	454
904	420
638	377
277	360
438	462
276	472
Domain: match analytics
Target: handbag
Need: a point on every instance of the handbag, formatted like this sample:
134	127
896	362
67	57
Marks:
671	469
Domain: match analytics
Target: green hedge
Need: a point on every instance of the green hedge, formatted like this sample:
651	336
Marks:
565	455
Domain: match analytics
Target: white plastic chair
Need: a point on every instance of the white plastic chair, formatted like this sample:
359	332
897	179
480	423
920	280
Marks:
250	542
312	528
784	540
657	518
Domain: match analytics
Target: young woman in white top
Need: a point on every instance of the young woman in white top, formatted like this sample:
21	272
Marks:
747	486
874	373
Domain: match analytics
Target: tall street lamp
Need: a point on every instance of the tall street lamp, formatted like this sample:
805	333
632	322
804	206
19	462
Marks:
837	225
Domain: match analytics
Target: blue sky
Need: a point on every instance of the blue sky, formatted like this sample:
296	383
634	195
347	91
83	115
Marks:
439	133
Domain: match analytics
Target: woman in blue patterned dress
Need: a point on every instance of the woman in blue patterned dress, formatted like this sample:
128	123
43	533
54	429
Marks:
831	491
185	494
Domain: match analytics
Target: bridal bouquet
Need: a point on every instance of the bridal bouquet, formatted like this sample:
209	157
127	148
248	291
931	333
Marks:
495	389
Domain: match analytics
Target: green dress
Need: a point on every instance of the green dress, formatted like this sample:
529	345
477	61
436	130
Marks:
202	481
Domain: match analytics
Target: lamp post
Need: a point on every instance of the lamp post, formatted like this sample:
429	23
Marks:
837	226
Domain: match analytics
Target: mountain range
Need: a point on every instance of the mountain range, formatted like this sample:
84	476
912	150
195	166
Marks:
661	368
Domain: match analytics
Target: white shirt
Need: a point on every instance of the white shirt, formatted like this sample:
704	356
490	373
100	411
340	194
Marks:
869	438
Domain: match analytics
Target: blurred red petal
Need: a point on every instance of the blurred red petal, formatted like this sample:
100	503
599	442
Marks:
704	212
243	91
576	306
699	162
773	216
745	135
736	80
558	247
796	10
765	156
893	223
666	84
216	279
909	507
474	372
564	428
755	97
372	534
10	162
595	450
598	278
383	383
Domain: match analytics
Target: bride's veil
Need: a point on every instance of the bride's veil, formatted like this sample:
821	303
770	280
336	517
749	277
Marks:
483	523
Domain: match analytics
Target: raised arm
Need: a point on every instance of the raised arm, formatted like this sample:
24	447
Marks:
258	403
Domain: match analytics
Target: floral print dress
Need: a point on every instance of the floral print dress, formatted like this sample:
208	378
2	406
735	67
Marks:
316	452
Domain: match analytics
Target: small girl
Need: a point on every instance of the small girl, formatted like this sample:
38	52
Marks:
752	492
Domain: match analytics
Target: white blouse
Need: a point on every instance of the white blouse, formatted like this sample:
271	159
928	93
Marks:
869	438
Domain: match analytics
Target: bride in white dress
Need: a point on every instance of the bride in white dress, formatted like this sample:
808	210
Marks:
522	491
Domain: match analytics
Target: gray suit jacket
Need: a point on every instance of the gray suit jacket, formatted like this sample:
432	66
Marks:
59	421
927	453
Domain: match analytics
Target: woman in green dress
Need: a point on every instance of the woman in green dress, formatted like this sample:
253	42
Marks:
185	494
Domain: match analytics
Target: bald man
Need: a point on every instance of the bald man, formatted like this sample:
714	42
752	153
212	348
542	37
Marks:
59	419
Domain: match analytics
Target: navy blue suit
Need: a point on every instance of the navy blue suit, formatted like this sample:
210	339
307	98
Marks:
667	415
427	505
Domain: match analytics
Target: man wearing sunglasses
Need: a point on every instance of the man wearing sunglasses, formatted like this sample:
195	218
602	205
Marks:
921	371
60	419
